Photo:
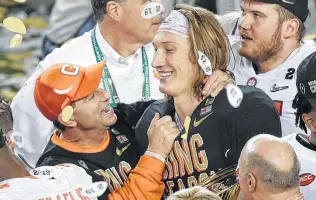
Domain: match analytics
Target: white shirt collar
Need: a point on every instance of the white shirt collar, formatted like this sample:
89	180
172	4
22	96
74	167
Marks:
110	53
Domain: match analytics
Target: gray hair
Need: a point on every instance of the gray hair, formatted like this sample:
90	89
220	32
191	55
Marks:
229	22
99	8
194	193
272	176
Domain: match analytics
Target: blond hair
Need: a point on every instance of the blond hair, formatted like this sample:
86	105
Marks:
205	35
194	193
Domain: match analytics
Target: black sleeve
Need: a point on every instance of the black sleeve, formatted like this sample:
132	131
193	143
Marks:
248	123
131	113
163	108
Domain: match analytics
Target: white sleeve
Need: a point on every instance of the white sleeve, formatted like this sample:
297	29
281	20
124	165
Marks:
29	124
68	179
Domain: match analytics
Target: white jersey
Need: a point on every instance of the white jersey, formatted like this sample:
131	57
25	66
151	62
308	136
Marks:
33	130
70	182
279	83
307	158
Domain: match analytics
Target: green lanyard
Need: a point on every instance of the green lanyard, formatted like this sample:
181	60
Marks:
107	80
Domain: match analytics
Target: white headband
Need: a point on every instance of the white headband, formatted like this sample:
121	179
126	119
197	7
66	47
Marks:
175	23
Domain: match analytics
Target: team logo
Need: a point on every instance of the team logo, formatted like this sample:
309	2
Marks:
252	81
276	88
206	110
119	152
302	88
198	122
122	139
306	179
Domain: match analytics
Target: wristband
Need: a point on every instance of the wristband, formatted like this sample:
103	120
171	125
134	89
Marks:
155	155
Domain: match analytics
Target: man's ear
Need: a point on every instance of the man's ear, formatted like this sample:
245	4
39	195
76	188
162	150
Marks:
290	28
251	182
114	10
309	122
71	123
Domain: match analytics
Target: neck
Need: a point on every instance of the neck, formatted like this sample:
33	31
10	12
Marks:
79	137
185	105
285	195
279	58
113	36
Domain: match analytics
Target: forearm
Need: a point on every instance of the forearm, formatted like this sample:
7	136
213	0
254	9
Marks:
144	182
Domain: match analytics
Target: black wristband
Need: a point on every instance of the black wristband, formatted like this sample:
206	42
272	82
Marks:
2	141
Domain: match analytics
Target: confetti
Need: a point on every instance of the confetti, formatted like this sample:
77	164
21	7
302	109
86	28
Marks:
20	1
67	113
16	40
14	24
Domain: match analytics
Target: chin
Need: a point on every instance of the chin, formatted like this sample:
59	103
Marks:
110	120
246	52
167	91
113	119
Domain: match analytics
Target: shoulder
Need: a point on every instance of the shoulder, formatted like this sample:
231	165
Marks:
163	107
253	98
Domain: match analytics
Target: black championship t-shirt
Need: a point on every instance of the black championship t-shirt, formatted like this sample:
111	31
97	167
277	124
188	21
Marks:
208	148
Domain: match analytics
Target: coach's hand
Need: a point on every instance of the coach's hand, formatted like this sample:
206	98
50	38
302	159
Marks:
161	135
216	83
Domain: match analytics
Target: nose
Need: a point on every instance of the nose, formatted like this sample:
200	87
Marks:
244	22
159	60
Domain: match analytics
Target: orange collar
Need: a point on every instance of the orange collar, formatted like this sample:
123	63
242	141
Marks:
75	148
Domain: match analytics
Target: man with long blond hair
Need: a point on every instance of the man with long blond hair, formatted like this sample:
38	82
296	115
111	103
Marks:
190	44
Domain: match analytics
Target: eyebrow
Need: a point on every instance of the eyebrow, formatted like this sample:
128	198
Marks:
165	42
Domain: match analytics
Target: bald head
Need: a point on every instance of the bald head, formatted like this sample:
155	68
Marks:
273	160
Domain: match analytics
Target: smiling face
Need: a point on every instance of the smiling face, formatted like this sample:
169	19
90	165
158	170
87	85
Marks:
176	57
177	72
94	111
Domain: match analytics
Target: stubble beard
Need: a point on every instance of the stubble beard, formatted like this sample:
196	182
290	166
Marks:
264	51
